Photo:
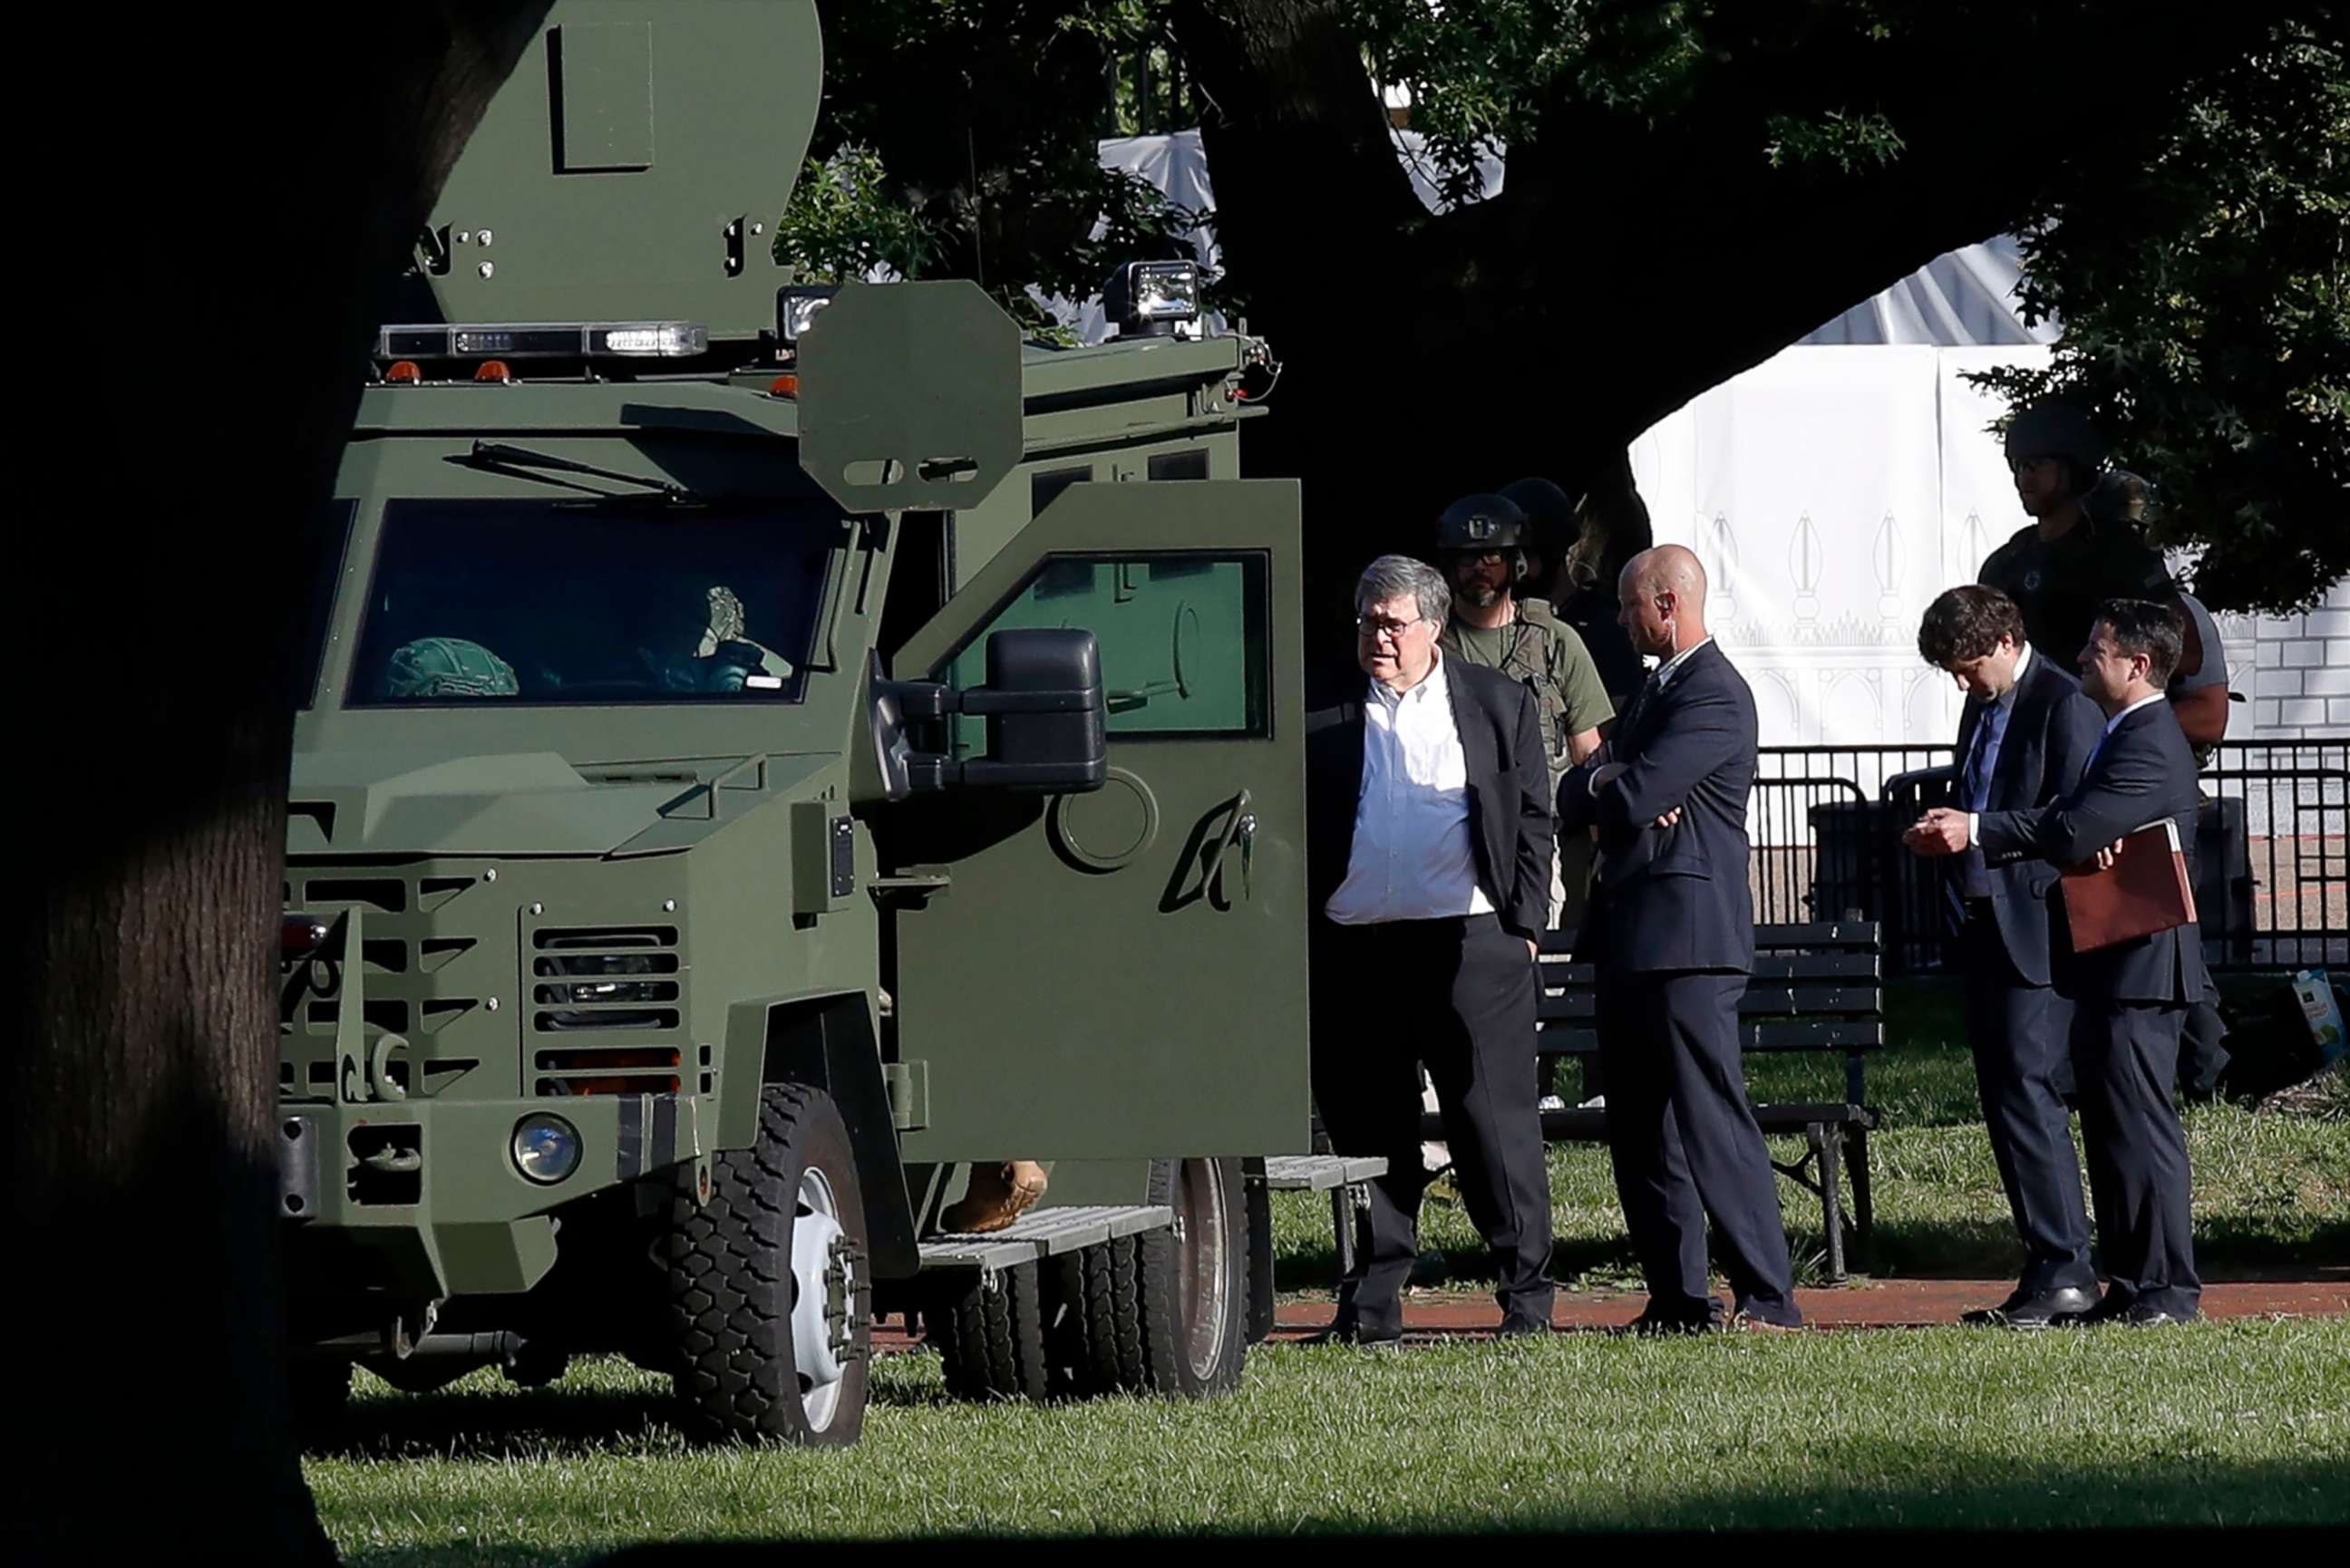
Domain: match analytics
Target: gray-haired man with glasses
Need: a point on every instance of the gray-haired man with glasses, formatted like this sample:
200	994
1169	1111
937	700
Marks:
1429	856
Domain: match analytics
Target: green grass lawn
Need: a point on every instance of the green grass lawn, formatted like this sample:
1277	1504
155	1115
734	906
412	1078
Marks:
2215	1423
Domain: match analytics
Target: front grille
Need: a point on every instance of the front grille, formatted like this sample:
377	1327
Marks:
607	1010
403	970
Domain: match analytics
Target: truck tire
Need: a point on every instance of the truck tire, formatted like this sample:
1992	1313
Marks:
1093	1320
770	1296
989	1332
1163	1312
1191	1280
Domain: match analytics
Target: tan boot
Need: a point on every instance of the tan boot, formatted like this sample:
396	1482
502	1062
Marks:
997	1195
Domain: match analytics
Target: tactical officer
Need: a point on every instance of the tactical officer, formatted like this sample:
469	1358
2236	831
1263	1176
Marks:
2067	562
1480	547
1583	556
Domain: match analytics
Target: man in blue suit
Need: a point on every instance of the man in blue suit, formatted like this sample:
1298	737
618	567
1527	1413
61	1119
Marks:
2129	999
1671	927
2024	735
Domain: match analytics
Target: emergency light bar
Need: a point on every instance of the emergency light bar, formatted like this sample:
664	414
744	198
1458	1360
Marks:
547	341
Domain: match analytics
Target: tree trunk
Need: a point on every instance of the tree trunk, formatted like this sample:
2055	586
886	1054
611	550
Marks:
1630	261
217	381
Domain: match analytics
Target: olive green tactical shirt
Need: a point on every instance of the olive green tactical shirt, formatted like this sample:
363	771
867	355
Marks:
1541	649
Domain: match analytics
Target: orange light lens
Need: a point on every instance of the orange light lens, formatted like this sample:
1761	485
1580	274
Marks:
785	386
494	370
403	370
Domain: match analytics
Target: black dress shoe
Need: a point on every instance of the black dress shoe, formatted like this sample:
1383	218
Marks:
1522	1328
2146	1314
2036	1309
1353	1339
1651	1323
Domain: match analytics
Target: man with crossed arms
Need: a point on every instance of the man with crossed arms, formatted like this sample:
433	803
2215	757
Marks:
1670	930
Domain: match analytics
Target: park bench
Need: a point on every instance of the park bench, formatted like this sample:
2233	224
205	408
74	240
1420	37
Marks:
1815	987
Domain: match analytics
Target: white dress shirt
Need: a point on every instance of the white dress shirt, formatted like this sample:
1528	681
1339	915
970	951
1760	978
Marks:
1412	859
1666	670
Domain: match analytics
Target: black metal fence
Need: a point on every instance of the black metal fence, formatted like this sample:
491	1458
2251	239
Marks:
2273	847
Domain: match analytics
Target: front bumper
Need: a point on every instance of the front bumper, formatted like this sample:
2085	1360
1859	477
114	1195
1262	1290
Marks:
423	1197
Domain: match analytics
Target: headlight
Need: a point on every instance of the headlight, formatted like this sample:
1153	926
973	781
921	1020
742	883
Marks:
1147	298
546	1149
797	305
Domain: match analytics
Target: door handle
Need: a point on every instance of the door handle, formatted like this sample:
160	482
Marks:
1240	829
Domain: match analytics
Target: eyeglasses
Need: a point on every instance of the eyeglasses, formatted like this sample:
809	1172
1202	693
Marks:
1374	627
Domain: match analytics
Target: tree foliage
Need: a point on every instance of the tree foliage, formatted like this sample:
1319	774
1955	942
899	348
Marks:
959	138
2205	297
2180	173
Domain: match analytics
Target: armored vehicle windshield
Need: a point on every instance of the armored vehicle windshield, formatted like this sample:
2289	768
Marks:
612	601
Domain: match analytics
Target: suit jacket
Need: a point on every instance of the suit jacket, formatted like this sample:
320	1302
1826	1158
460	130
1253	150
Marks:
1508	791
2143	772
2050	734
1673	898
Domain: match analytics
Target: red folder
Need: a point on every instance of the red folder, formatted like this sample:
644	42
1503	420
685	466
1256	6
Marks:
2144	890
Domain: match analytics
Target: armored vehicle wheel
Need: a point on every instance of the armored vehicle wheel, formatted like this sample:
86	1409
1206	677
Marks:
322	1398
989	1331
769	1294
1093	1320
1166	1311
1192	1280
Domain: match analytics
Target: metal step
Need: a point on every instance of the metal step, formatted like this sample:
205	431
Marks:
1041	1233
1319	1172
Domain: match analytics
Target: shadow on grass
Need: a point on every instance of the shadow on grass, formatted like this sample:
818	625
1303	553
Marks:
495	1424
2130	1504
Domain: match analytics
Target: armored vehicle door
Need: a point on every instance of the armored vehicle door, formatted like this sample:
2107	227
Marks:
1121	973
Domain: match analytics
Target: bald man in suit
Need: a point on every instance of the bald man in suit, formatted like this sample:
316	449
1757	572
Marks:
1670	928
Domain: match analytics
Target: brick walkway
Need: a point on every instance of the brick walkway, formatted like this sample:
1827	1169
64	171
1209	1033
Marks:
1887	1304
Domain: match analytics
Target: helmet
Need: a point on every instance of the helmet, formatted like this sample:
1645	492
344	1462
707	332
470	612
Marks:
1550	515
2120	497
2055	428
1482	523
447	666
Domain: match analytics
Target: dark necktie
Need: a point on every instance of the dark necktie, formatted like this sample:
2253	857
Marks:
1635	708
1977	778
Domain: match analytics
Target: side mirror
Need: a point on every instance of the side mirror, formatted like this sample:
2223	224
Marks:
1045	720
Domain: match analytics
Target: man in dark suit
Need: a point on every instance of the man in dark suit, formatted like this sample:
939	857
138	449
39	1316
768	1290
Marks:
2023	737
2129	999
1671	928
1428	867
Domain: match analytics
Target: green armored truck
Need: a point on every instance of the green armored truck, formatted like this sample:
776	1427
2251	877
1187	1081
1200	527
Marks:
769	751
